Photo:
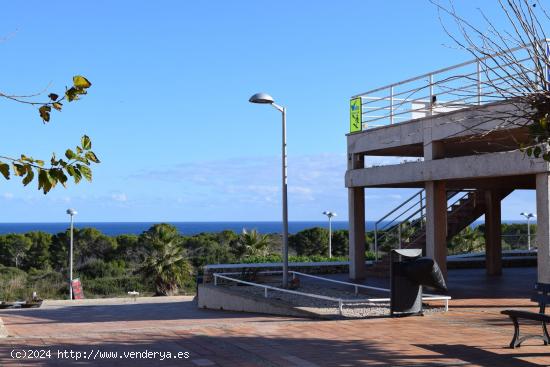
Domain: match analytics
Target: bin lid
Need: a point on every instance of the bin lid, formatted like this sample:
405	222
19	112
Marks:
413	252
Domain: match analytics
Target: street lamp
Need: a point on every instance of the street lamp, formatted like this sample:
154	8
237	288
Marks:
72	213
263	98
528	216
329	215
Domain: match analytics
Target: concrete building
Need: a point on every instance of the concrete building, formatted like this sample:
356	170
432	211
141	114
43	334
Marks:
465	160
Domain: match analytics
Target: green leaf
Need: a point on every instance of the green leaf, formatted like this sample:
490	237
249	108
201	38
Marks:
92	157
537	151
28	178
86	172
70	154
58	175
53	96
86	142
75	173
45	182
5	170
19	169
45	113
71	94
529	151
80	82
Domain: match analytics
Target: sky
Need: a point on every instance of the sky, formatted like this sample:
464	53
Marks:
168	110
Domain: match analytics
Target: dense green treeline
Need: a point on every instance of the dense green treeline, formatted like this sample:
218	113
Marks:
158	261
162	261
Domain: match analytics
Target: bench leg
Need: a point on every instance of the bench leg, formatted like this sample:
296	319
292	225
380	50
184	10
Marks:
546	337
515	339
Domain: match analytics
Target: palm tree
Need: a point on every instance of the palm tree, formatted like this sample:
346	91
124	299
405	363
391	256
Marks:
253	243
166	262
468	240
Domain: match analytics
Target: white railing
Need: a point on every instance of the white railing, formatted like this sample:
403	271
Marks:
468	84
341	301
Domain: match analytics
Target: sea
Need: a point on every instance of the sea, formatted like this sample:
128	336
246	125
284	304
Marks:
185	228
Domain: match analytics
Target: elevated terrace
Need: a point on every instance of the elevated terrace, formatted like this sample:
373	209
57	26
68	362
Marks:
456	132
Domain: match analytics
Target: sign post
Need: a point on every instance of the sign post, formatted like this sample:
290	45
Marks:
355	115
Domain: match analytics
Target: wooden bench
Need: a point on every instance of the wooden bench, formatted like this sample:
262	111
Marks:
542	297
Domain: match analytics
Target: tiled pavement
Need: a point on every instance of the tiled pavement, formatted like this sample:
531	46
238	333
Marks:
472	333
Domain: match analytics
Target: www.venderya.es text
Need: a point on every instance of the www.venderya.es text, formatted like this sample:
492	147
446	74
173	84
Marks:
95	354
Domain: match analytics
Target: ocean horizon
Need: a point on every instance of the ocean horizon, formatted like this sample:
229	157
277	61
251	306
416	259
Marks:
186	228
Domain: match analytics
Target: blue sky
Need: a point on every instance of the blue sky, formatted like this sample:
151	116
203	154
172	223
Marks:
168	111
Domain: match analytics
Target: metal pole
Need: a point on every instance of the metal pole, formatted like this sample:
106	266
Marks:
376	241
431	94
285	207
71	263
528	234
330	237
391	105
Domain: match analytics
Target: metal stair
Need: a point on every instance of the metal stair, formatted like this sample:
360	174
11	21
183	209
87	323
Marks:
404	226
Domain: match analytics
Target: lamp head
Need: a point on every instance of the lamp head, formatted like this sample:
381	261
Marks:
262	98
71	212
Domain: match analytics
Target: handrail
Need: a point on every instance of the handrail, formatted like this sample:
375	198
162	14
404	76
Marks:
484	83
456	66
341	301
381	232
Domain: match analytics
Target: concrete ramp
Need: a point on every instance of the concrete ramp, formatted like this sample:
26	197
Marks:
229	299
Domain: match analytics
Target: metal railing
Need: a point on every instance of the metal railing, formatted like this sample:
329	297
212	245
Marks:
409	216
468	84
340	301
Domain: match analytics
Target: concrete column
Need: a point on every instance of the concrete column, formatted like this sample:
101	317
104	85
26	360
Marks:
543	227
493	244
356	205
436	223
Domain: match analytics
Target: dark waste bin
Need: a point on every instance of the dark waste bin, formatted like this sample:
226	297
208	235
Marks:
409	271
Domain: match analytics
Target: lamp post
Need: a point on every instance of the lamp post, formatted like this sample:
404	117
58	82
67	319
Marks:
71	213
263	98
329	215
528	216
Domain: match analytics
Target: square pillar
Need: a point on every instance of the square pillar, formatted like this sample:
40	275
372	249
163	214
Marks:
493	244
356	205
543	227
436	223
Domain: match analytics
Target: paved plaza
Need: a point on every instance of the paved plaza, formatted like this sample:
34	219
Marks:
472	333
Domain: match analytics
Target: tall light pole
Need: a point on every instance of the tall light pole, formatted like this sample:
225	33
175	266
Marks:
71	213
264	98
329	215
528	216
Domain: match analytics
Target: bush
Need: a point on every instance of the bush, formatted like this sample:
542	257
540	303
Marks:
115	286
99	269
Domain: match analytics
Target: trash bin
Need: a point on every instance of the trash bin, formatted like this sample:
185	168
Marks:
408	273
406	293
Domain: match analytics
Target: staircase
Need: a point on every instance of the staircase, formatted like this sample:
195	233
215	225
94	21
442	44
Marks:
404	226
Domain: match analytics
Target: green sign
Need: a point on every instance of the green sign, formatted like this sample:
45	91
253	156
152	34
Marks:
355	112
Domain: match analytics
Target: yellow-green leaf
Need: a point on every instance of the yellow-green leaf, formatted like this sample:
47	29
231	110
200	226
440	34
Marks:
92	157
80	82
86	172
86	142
58	106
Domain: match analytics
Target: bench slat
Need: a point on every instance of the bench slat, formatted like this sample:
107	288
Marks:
527	315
